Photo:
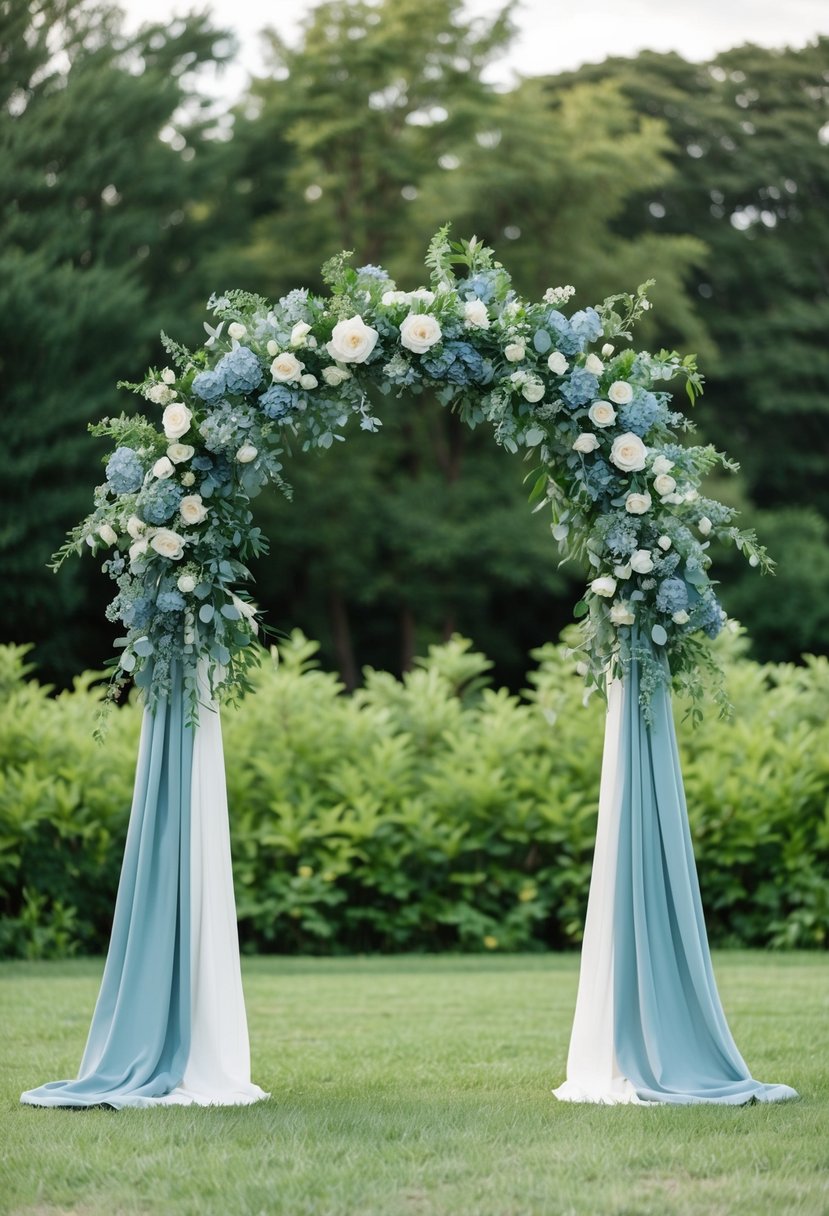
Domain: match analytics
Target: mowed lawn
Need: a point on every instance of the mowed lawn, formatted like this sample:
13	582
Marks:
420	1086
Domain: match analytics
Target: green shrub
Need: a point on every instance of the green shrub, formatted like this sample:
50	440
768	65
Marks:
428	813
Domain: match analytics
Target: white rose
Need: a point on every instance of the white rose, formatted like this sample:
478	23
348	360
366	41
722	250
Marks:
623	572
533	391
108	534
681	617
163	468
135	527
179	452
273	347
192	509
160	394
515	352
308	381
176	420
586	442
168	375
641	561
557	363
664	543
621	613
188	479
138	549
419	332
299	333
167	544
594	365
390	298
629	453
475	315
637	504
236	330
335	375
247	452
705	525
620	392
677	499
607	350
664	483
186	583
604	585
286	367
690	496
422	293
661	464
352	341
601	413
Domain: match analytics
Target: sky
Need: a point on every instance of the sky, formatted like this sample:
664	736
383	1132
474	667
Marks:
553	36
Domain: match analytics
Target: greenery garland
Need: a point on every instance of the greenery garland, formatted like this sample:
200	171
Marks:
593	417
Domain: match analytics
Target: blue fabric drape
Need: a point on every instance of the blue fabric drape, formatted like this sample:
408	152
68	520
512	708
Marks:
140	1034
671	1036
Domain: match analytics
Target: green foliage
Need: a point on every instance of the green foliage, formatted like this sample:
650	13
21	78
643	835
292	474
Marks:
431	812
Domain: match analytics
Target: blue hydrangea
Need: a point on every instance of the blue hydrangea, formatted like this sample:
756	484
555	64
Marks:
137	613
598	476
568	342
710	616
124	471
201	464
458	362
586	325
482	285
294	306
581	387
621	540
159	501
209	385
373	272
240	369
672	596
278	401
641	413
170	601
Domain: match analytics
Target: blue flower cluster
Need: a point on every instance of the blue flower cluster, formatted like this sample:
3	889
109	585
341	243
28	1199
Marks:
241	370
483	285
459	363
621	539
159	501
294	306
709	616
672	596
581	387
586	325
135	613
373	272
170	601
598	477
209	385
279	401
640	414
124	472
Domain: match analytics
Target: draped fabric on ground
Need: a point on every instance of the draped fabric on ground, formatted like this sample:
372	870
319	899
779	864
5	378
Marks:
649	1026
170	1024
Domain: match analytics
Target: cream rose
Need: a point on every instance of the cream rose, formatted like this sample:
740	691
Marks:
514	352
586	442
299	333
247	452
136	527
163	468
607	350
623	572
160	394
594	365
391	298
621	613
641	561
188	479
286	367
167	544
422	293
192	509
557	363
168	375
186	583
335	376
681	617
604	586
419	332
176	420
475	315
308	381
629	453
663	483
705	525
273	347
179	452
352	341
620	392
637	504
108	534
601	413
664	543
533	391
661	464
138	549
236	330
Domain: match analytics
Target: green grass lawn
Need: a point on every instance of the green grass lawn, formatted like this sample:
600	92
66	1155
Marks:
420	1086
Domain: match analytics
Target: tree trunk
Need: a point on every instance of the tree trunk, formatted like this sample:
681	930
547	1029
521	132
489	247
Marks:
343	642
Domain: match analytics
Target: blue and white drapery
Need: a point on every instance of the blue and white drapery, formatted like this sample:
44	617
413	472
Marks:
170	1023
649	1026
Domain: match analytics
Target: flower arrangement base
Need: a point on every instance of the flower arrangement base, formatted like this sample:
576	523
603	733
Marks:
170	1025
649	1026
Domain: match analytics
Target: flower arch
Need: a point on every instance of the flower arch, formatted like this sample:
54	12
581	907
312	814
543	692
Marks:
594	418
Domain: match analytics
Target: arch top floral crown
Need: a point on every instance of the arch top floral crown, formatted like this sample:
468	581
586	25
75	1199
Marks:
594	418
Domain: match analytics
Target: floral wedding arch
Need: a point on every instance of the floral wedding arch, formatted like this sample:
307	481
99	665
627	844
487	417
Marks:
596	423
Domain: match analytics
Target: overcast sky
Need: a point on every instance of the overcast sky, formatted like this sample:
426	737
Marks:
554	35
